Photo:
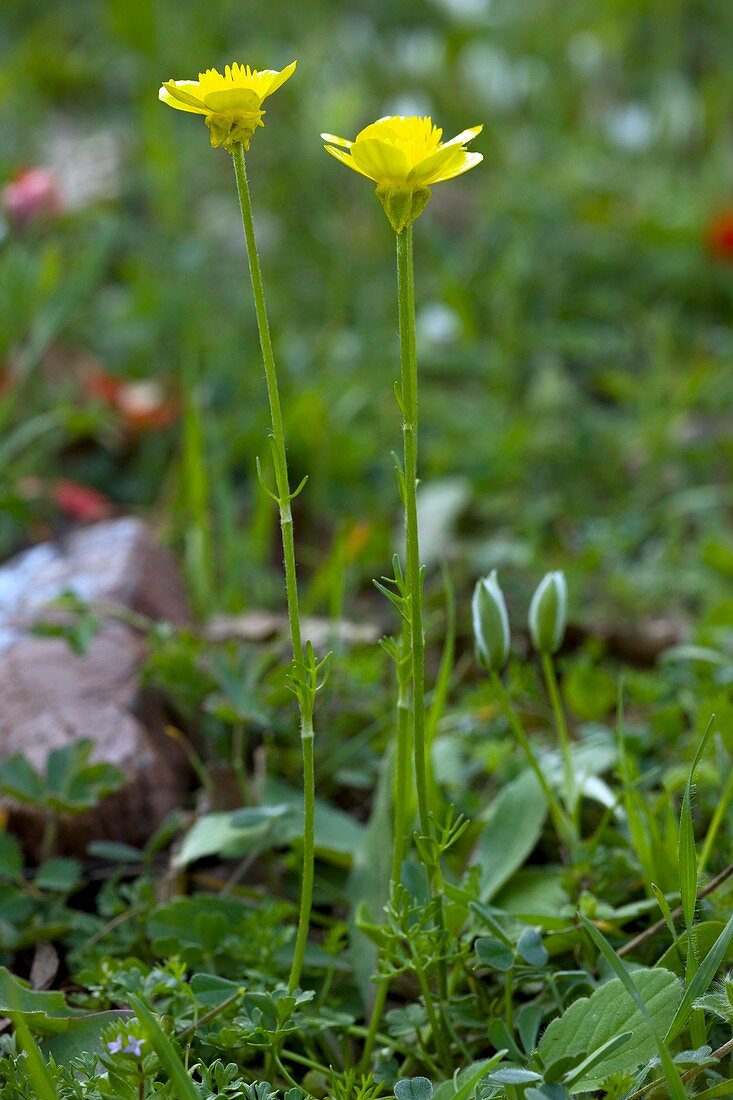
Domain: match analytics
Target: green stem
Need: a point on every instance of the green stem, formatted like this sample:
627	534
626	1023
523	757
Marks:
238	761
402	777
409	409
558	710
563	826
284	497
408	396
435	1028
273	395
306	887
50	835
375	1019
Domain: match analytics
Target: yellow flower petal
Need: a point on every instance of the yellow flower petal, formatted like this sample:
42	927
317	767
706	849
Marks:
404	156
346	159
381	162
343	142
230	101
464	136
233	101
176	96
470	161
279	78
436	167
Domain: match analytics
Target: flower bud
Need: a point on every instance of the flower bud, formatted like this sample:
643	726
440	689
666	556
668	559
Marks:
402	205
548	613
490	623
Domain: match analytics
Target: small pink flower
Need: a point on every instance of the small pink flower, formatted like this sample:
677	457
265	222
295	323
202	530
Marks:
80	502
32	194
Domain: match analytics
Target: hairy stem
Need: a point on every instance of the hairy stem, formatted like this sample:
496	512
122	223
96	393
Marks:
284	498
409	409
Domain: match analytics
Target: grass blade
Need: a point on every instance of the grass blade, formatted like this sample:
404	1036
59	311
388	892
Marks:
183	1086
37	1068
701	981
671	1074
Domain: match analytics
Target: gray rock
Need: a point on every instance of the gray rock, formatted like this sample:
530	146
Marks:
50	696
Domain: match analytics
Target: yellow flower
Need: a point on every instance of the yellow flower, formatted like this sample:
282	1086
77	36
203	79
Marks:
405	157
230	103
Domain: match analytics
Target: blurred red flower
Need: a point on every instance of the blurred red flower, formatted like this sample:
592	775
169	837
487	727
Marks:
719	235
80	502
143	406
32	193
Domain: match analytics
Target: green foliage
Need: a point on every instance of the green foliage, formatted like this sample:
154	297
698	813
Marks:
575	346
71	784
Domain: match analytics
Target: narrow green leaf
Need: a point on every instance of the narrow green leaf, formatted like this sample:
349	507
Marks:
183	1086
37	1068
707	970
687	852
603	1051
666	911
671	1074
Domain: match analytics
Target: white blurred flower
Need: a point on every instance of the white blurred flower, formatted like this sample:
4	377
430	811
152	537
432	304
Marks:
630	126
437	323
585	52
501	81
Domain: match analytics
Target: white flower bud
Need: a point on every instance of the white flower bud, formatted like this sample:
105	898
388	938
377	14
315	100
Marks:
490	623
548	613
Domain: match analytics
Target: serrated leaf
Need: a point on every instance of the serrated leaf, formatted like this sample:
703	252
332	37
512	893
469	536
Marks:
609	1012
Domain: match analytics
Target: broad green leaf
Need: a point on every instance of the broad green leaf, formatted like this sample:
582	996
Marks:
413	1088
494	954
513	826
58	875
530	948
73	784
536	894
369	880
212	991
609	1012
232	835
21	781
45	1012
338	834
83	1036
